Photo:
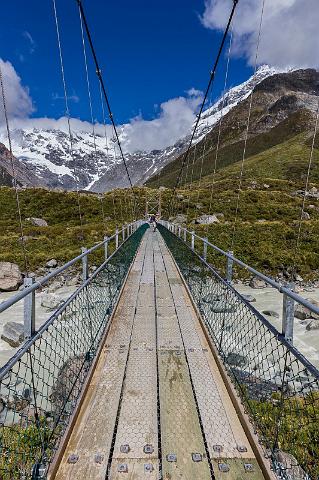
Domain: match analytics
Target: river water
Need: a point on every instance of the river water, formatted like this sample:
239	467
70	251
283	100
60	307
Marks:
307	342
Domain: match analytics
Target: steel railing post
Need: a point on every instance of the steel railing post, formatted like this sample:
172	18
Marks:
179	231
29	310
116	239
123	233
288	314
106	247
185	235
85	265
193	240
205	240
229	267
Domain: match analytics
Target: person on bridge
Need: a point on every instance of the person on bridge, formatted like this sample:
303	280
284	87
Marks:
152	222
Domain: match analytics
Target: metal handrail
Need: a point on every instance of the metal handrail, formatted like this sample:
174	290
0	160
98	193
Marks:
282	289
29	342
36	285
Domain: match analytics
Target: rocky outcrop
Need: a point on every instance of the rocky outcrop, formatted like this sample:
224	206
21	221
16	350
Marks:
22	173
180	219
289	466
304	313
271	313
206	219
313	325
257	283
13	333
52	263
51	301
10	277
38	222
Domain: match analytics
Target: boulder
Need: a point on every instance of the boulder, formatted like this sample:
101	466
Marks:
289	464
10	277
38	222
55	286
206	219
179	196
17	403
305	216
271	313
52	263
249	298
51	301
304	313
13	333
257	283
313	325
236	359
199	206
74	281
222	307
180	218
266	185
162	188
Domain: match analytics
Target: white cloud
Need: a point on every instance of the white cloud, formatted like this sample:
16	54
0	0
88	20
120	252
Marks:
18	100
174	119
289	33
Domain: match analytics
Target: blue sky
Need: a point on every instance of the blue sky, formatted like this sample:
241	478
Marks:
149	52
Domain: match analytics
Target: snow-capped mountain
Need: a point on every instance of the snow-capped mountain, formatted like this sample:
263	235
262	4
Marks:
95	163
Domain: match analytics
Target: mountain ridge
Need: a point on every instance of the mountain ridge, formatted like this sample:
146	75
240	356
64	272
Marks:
46	152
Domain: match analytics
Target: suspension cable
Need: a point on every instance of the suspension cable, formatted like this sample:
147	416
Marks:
211	79
67	112
247	128
106	141
100	77
302	210
91	114
14	178
205	142
220	126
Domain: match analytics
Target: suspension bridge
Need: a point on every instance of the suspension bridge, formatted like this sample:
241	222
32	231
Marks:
156	366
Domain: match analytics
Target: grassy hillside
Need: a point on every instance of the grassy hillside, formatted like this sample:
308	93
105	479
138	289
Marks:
64	236
293	132
265	232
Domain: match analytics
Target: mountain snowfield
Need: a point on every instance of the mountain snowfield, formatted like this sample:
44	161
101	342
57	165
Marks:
96	164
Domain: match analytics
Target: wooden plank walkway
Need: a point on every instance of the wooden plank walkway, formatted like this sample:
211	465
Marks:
156	406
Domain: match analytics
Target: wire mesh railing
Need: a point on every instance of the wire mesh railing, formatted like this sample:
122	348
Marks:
278	387
41	384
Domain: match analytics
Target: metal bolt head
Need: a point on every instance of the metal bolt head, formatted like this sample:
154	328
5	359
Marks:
241	448
248	467
217	448
197	457
171	457
148	467
98	458
124	448
73	458
122	467
148	449
223	467
39	471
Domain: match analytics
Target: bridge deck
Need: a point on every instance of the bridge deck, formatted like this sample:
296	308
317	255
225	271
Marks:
156	397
